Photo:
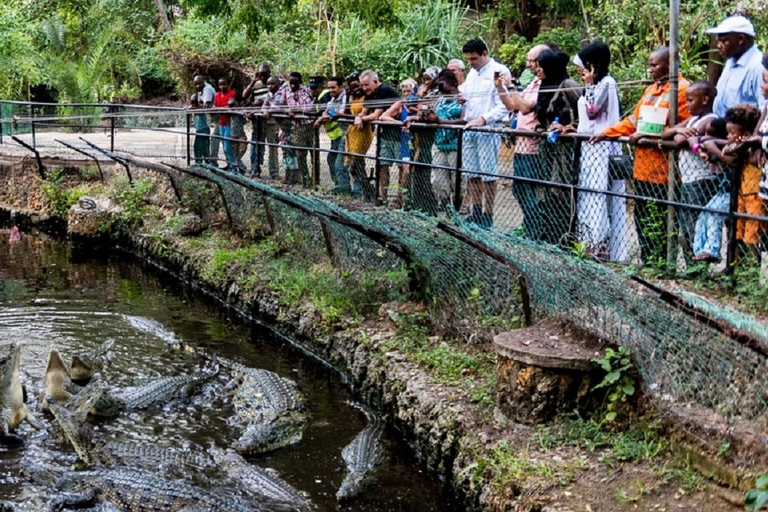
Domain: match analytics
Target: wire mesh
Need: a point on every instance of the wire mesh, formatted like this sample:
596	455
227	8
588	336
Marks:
474	215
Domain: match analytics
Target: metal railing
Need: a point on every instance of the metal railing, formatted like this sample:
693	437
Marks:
559	194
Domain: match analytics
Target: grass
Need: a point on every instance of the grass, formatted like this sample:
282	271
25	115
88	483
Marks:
642	441
473	371
505	466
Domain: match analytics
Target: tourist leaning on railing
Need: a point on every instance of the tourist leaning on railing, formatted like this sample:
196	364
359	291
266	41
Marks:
602	220
556	109
697	180
649	119
527	162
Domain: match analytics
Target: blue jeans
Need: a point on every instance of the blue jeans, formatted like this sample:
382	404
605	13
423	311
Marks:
226	144
336	166
481	154
528	166
709	227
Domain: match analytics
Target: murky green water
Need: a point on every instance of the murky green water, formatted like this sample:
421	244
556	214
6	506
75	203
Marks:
50	298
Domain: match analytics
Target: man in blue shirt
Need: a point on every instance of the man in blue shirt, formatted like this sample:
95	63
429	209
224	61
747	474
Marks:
742	76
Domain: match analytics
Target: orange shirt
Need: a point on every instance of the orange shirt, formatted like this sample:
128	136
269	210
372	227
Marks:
651	163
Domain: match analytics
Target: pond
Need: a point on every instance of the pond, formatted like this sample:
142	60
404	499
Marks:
52	297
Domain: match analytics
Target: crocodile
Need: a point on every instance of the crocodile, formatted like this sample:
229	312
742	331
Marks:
160	390
263	483
133	490
361	456
84	366
57	381
72	419
270	407
14	410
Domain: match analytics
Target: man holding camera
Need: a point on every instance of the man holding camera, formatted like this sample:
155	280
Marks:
481	149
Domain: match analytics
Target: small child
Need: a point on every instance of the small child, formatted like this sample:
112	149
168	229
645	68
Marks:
741	121
202	148
708	236
239	144
698	184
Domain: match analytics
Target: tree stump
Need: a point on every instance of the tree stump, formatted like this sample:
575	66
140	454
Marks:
544	370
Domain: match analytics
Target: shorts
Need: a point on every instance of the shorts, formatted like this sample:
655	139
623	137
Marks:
480	154
389	151
750	230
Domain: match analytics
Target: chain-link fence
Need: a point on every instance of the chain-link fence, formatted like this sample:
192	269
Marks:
494	228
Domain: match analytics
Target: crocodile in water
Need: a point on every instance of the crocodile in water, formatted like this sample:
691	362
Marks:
132	490
263	483
12	406
269	407
85	365
361	456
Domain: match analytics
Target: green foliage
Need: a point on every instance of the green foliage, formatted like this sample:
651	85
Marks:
642	441
132	199
513	52
22	64
619	381
504	467
472	371
58	194
431	32
757	498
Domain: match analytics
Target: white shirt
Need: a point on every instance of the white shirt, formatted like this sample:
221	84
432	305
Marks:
482	98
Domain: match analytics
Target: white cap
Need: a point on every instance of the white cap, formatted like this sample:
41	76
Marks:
734	25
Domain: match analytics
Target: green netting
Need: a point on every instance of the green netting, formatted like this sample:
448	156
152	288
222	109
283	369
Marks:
550	209
681	359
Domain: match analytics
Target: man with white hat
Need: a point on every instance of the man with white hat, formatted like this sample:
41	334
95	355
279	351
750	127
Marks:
742	76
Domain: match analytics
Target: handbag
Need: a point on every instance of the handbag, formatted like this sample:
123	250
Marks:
620	167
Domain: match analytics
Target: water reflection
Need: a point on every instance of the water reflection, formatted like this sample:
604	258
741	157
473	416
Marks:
49	299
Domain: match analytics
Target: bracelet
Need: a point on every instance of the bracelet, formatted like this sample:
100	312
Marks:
696	147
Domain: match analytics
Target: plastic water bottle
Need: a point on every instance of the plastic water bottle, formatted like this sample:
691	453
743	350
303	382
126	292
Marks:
553	136
331	112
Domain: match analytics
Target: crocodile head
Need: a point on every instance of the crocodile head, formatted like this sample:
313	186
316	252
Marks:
83	367
270	432
351	485
73	422
56	379
11	392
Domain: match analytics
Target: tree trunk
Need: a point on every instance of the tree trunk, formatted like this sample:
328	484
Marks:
714	66
163	15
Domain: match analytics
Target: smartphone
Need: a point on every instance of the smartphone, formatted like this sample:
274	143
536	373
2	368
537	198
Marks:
496	74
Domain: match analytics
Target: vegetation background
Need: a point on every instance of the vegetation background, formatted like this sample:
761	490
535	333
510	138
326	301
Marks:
123	50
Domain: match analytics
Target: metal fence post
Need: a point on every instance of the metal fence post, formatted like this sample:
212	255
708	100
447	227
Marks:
730	255
315	157
457	198
112	132
377	162
1	122
187	120
32	124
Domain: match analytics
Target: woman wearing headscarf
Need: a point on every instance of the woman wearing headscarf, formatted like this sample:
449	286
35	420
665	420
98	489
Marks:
598	109
556	110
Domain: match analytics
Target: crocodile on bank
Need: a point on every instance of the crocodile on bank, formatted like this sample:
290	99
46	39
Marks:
269	407
361	456
132	490
14	410
84	366
263	483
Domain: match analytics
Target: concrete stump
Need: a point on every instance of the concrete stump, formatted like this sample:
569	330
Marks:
89	214
544	370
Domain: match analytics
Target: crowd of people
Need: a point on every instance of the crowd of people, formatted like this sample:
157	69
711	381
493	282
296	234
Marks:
721	131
